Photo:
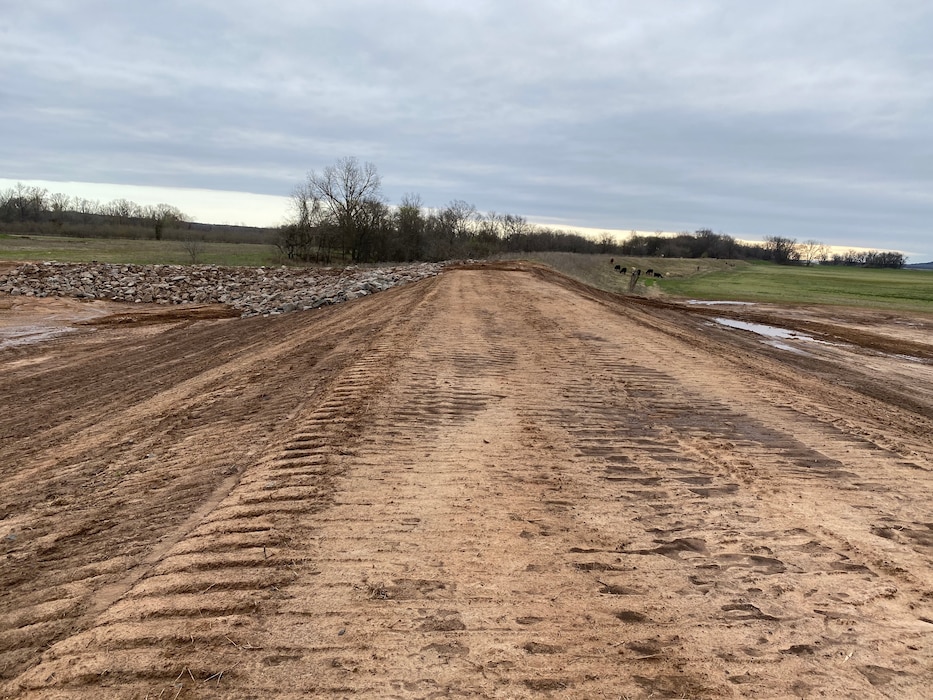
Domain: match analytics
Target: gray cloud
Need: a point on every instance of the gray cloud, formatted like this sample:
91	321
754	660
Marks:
799	118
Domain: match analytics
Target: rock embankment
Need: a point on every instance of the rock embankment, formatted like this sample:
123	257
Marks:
254	291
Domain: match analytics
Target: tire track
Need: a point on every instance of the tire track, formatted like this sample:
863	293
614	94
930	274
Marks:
505	489
249	512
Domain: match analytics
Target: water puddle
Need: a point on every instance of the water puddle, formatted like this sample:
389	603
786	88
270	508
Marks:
774	335
766	331
27	335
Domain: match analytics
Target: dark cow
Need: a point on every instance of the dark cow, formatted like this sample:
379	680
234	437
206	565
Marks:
623	270
658	274
618	267
649	272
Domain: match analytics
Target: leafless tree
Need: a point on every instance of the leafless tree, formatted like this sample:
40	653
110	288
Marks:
811	250
347	191
460	217
607	243
23	203
122	209
194	246
87	208
59	202
515	226
410	225
161	217
782	250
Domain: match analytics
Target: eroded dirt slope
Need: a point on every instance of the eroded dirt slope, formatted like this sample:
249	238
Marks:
493	483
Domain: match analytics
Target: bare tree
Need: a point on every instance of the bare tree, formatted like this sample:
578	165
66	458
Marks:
87	208
59	202
24	203
161	217
410	226
194	246
122	209
515	226
811	250
460	217
782	250
607	243
347	191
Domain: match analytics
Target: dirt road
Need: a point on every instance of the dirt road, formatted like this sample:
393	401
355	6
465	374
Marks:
493	483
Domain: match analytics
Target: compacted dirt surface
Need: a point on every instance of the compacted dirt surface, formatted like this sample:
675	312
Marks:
492	483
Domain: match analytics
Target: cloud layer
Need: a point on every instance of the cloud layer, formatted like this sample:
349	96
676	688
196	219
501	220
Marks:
803	119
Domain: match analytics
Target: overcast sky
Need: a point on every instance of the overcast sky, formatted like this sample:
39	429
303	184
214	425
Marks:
809	119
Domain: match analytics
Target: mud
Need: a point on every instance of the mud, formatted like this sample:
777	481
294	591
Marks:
492	483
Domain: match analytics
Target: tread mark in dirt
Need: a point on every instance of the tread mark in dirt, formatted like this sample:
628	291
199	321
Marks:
510	490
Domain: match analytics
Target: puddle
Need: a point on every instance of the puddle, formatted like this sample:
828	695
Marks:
698	302
27	335
774	335
766	331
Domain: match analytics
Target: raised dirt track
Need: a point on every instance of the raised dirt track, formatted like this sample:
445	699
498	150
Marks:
493	483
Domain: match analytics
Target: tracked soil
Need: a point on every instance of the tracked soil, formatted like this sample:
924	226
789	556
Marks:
492	483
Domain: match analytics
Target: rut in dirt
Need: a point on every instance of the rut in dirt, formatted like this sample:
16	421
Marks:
492	483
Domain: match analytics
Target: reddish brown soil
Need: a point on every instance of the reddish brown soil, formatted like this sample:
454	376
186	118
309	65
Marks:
494	483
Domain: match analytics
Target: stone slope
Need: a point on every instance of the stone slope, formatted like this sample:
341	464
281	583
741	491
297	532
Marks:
254	291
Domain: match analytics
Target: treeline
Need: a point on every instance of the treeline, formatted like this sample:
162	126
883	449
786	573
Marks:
871	258
24	204
701	244
340	215
36	211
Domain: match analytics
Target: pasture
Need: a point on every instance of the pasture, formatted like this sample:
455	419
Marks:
20	247
735	280
846	286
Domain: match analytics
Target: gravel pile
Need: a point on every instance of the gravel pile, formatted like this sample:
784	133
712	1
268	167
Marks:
254	291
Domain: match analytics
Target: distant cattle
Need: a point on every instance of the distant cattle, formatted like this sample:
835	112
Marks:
649	272
612	260
623	270
618	267
658	274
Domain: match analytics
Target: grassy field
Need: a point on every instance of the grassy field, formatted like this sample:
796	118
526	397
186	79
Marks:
763	282
848	286
139	252
597	271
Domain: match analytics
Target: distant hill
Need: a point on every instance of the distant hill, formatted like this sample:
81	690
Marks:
920	266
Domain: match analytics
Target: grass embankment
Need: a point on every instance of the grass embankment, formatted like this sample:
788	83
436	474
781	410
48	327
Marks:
906	290
597	271
130	251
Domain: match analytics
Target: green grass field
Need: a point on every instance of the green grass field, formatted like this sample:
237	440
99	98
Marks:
128	251
597	271
848	286
707	279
